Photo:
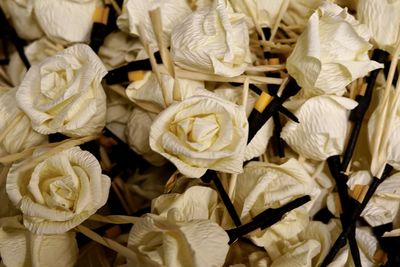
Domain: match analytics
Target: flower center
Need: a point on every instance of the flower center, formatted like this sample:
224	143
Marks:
59	192
199	133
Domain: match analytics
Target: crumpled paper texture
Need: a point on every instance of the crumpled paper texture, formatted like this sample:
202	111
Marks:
147	93
323	127
213	40
23	18
119	49
384	204
158	241
21	136
331	53
137	133
35	52
382	17
60	192
136	12
67	21
266	185
21	248
64	94
201	132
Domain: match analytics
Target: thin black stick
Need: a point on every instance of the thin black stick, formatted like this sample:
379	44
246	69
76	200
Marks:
341	240
211	175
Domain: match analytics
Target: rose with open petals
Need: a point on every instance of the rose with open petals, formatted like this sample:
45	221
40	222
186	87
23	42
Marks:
202	132
64	94
60	192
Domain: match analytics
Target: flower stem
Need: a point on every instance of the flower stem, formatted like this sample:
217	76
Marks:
341	240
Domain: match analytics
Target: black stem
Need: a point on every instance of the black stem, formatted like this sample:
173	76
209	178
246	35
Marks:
211	175
340	179
120	75
358	113
266	218
341	240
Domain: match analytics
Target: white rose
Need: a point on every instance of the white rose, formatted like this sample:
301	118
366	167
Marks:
70	21
20	248
119	49
63	93
60	192
23	18
331	53
136	12
262	186
197	202
323	127
383	19
137	133
35	52
20	135
158	241
213	40
384	204
202	132
147	93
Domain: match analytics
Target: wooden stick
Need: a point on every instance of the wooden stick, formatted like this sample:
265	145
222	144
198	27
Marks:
155	16
153	62
282	12
187	74
378	159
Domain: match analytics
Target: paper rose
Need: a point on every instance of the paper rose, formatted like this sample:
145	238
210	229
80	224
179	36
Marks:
63	93
331	53
136	12
264	185
158	241
19	247
119	48
35	52
69	21
383	19
323	127
197	202
23	18
384	204
60	192
201	132
137	134
213	40
20	134
147	93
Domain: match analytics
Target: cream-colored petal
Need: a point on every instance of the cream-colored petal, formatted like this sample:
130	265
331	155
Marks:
212	39
157	241
383	20
20	248
323	127
23	18
67	21
195	203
